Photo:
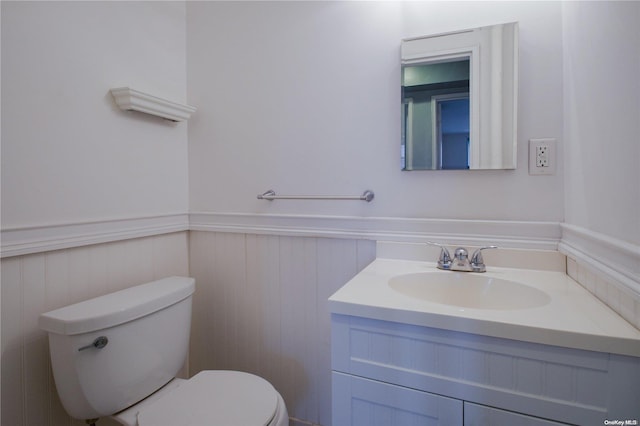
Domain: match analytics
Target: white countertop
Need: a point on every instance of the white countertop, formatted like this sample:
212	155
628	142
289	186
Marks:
574	318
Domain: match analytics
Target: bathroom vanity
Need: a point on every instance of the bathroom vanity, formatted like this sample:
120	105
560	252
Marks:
399	358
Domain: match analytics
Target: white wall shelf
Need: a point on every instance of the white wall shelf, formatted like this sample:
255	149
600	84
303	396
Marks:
133	100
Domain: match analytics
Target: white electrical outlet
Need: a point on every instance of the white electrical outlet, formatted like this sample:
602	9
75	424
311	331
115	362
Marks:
542	156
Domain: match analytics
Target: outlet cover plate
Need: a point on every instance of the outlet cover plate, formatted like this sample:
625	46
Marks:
547	147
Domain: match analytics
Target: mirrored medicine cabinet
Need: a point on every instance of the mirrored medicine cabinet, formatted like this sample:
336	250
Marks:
459	99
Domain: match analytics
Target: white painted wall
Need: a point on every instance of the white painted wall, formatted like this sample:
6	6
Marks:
602	117
68	153
304	98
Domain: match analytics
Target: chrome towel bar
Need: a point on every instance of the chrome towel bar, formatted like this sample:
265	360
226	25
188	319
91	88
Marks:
271	195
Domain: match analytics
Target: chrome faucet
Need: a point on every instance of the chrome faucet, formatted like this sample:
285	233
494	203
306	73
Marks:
460	260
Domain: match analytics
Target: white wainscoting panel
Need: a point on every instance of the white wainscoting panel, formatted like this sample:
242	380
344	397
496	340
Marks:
36	283
261	307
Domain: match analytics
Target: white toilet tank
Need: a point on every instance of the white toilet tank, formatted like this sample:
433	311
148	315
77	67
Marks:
110	352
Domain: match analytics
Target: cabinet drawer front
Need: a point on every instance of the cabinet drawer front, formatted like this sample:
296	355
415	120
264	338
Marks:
363	402
479	415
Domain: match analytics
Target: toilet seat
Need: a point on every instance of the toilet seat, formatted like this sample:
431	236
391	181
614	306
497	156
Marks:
217	398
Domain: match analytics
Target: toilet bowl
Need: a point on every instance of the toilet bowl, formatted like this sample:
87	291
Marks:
117	356
210	398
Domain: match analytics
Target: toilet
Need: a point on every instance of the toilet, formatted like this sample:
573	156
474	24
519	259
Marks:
118	355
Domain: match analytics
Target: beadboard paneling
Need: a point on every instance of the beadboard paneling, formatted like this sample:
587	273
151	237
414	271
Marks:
261	307
36	283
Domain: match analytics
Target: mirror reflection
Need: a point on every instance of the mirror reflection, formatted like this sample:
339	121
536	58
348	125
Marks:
436	115
459	99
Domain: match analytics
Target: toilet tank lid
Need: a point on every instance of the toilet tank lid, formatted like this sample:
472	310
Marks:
118	307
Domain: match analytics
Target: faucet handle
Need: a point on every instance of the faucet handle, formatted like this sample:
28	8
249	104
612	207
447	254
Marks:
477	262
444	260
461	254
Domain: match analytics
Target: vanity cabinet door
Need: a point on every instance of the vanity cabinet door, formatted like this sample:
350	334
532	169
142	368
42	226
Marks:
362	402
480	415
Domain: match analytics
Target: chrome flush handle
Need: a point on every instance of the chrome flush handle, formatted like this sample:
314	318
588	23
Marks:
99	343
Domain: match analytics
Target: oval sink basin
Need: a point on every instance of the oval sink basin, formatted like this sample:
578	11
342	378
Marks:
468	290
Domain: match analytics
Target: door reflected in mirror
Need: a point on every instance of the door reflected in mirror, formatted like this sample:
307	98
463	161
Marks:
436	115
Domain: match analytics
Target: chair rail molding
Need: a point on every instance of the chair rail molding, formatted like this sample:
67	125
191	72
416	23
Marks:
508	234
612	257
18	241
514	234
